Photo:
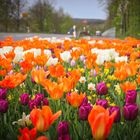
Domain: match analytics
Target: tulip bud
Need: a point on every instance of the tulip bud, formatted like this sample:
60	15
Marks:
63	128
24	98
38	98
82	57
84	110
3	92
131	96
72	63
32	104
118	114
102	103
45	101
85	101
3	106
130	111
64	137
101	88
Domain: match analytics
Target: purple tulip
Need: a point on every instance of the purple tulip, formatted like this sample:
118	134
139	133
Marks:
45	101
32	104
32	80
84	111
131	96
101	88
130	111
64	137
93	73
102	102
24	99
118	114
82	57
85	101
3	92
3	106
72	63
38	98
63	128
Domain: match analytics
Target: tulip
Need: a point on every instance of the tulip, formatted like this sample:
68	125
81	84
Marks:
45	101
100	122
82	57
32	104
32	80
72	63
3	92
63	128
84	111
102	103
85	101
3	106
91	86
27	134
42	138
75	99
131	96
38	98
64	137
101	88
43	118
65	56
130	112
24	99
118	114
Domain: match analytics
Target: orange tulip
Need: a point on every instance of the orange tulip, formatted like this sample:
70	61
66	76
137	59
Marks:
29	56
41	60
43	118
138	80
75	76
67	83
55	90
26	65
27	134
10	55
57	71
128	86
39	75
75	99
42	138
100	122
91	60
13	80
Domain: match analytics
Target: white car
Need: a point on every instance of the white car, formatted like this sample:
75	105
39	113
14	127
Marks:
98	33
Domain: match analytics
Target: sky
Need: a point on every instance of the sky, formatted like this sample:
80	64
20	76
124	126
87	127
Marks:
88	9
91	9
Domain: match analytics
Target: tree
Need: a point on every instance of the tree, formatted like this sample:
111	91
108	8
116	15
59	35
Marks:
125	16
39	13
18	9
5	14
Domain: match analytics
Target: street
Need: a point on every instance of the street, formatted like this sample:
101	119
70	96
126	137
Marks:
20	36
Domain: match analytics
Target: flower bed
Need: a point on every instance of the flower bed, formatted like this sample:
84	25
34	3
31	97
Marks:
63	89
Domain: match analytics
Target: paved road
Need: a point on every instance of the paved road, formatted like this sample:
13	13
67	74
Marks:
20	36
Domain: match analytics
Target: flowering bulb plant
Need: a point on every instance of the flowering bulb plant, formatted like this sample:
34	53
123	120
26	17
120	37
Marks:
70	89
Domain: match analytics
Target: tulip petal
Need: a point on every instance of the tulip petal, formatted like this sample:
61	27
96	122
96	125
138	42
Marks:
109	123
94	112
55	116
34	116
98	127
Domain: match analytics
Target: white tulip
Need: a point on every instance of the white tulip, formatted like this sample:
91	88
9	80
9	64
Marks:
91	86
52	61
82	80
65	56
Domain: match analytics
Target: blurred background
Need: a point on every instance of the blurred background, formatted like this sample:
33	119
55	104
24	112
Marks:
91	17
